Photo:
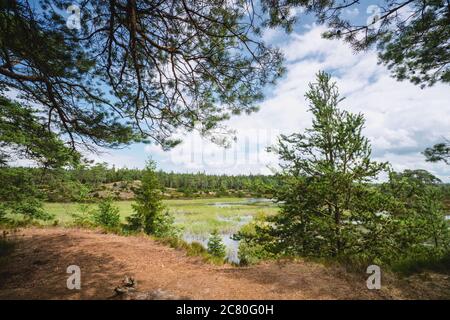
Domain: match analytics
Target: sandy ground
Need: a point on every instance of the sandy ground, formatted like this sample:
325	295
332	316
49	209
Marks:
36	269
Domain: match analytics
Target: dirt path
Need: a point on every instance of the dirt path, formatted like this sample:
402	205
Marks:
37	270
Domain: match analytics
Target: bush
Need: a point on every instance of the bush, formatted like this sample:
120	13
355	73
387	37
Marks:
194	249
252	247
251	253
107	215
30	209
164	225
82	219
20	195
410	265
3	212
215	245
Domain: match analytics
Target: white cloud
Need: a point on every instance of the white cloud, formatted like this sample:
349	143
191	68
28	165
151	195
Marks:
401	119
351	13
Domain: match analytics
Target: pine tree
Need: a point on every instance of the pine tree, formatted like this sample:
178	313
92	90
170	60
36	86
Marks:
325	196
216	246
150	215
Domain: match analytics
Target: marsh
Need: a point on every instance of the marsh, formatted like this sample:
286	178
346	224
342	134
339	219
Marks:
197	218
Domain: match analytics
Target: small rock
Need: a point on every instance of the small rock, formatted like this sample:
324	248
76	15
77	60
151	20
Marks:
127	291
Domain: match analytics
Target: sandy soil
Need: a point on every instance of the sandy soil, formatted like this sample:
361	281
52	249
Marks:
36	269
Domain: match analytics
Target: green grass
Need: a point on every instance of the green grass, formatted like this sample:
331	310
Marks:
197	216
193	249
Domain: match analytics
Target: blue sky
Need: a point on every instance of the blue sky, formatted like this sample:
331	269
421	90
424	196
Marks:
401	119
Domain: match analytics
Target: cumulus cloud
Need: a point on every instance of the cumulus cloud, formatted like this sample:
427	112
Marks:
401	119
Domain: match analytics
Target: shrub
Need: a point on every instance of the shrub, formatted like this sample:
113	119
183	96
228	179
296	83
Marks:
196	249
435	263
164	225
215	245
253	247
20	195
3	212
30	209
83	218
107	215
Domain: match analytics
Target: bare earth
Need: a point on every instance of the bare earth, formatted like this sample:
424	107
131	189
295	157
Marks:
36	269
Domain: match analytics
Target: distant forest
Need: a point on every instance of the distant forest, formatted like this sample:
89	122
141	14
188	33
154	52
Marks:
99	180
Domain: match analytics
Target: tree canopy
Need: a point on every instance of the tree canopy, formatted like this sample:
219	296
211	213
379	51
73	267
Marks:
438	152
22	136
134	70
411	36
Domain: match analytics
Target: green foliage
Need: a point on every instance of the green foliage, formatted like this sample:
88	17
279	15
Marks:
325	193
25	137
253	241
411	36
423	232
330	206
31	209
410	265
20	196
3	212
419	50
107	215
65	184
88	82
83	218
194	249
439	152
215	245
149	214
164	225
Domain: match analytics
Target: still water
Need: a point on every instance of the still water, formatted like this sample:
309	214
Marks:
232	246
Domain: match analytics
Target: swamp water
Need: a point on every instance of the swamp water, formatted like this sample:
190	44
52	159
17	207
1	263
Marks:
237	221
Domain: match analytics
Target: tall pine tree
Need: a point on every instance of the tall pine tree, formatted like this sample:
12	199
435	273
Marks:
327	204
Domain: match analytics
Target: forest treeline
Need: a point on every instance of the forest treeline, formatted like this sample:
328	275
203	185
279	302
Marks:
99	180
65	185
